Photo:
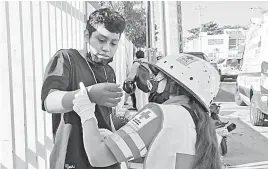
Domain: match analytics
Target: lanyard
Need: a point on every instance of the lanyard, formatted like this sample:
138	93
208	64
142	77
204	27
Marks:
94	73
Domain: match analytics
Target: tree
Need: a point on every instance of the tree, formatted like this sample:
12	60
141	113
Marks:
212	28
195	32
135	17
263	11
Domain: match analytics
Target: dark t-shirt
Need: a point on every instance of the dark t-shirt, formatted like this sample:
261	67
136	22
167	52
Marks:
64	72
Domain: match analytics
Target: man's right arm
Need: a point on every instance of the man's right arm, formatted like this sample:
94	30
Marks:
59	101
55	95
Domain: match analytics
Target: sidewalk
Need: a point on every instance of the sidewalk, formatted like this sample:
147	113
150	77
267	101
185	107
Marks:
123	111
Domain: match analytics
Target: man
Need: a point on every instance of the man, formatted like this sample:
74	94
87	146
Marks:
133	73
65	70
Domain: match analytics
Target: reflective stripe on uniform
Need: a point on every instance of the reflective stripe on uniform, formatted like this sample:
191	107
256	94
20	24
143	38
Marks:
131	141
134	141
119	147
135	165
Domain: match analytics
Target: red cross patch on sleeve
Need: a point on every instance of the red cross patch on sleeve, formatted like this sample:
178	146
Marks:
143	118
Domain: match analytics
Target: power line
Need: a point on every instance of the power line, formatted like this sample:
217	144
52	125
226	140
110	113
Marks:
253	11
200	28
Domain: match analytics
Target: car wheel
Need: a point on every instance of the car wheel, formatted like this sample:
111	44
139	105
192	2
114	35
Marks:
222	78
238	100
256	115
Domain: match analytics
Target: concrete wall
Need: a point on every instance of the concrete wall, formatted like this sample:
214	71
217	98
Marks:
168	20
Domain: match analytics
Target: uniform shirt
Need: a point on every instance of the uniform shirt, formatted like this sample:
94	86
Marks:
64	72
157	131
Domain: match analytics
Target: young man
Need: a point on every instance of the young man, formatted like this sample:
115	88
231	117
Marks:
65	70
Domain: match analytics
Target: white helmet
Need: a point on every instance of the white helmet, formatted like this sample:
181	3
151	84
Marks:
196	75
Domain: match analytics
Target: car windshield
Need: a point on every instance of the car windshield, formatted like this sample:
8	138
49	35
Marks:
232	63
200	55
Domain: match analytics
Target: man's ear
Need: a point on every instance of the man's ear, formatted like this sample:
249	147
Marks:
86	35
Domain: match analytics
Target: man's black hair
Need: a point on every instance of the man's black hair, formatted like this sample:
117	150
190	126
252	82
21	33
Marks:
140	54
112	20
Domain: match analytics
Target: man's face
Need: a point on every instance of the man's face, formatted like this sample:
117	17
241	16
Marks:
103	44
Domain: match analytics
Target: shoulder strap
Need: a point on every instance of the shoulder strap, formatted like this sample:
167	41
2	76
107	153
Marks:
137	61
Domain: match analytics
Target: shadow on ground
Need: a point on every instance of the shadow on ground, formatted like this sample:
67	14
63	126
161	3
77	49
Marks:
245	145
224	96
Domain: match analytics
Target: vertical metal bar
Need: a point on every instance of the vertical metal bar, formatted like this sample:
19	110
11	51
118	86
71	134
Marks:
23	82
10	84
34	80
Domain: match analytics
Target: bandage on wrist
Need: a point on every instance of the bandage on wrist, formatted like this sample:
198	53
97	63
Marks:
84	120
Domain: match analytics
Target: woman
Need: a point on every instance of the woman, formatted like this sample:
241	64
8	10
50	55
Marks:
175	133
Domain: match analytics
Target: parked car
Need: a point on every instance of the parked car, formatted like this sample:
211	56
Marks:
228	68
203	56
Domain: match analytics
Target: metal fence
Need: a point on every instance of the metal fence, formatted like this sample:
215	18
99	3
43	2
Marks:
30	33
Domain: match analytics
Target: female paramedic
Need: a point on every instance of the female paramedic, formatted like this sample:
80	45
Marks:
174	132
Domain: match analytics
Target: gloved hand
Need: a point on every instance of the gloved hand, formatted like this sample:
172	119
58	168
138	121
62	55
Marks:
83	106
105	94
105	133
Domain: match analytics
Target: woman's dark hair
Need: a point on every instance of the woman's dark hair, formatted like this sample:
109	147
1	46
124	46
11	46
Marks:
206	146
112	20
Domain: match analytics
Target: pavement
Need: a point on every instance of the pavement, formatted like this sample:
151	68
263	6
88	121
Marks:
247	144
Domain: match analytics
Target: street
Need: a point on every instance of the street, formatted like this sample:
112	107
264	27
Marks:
247	144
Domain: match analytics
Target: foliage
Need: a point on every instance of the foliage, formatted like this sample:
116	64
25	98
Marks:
212	28
135	16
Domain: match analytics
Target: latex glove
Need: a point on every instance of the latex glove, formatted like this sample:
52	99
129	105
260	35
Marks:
105	94
83	106
105	133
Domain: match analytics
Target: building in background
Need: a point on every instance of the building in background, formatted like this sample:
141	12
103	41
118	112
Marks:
236	42
230	44
214	46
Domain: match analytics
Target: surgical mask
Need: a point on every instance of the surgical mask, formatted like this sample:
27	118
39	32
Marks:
93	55
160	91
159	98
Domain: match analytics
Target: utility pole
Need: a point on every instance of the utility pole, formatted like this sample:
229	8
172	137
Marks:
150	31
148	25
253	11
200	28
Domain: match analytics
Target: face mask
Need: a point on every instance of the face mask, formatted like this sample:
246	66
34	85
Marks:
159	98
97	59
